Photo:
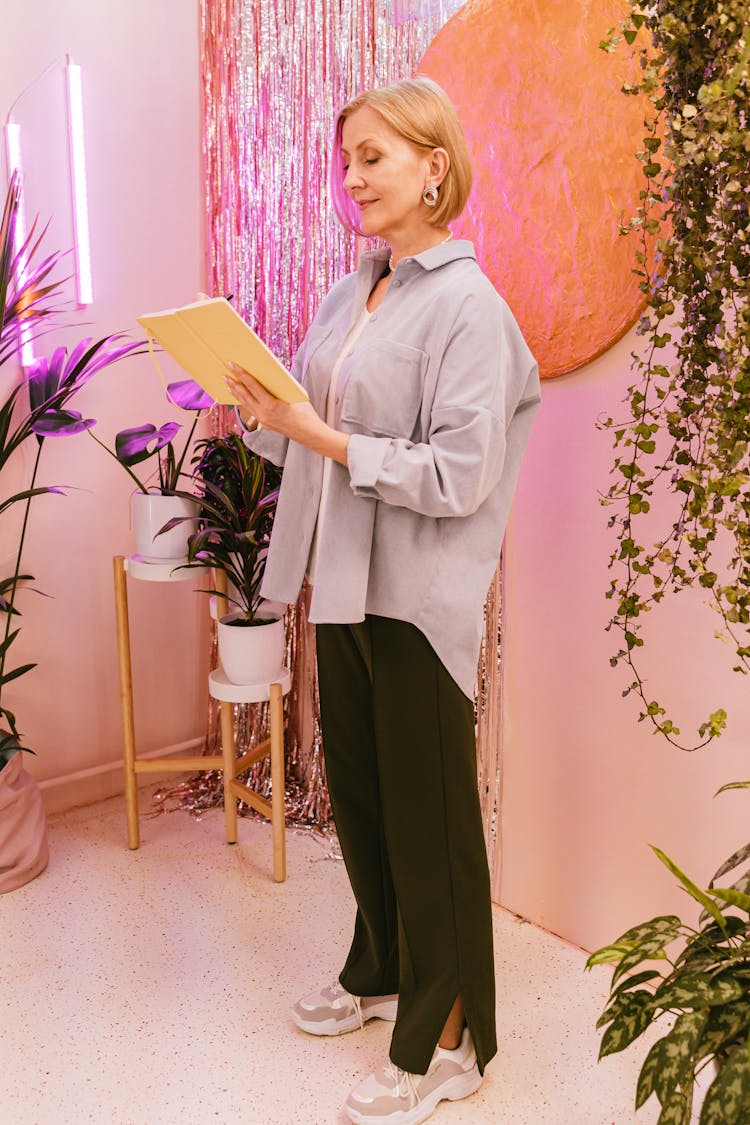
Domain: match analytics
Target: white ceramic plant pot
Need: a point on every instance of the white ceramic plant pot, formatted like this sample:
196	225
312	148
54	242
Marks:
151	511
250	654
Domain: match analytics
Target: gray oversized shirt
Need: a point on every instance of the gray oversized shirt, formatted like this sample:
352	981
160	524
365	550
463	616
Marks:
438	393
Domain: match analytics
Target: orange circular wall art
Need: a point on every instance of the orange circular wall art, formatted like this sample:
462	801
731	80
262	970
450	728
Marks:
552	139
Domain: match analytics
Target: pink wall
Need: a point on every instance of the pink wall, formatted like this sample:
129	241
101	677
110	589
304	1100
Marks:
586	787
141	86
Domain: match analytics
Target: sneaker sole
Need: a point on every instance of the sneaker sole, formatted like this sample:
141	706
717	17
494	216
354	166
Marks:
456	1088
383	1011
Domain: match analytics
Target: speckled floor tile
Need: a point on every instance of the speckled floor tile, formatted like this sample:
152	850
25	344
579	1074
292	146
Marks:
152	988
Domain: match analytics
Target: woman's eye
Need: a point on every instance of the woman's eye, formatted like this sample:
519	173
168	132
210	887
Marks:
372	160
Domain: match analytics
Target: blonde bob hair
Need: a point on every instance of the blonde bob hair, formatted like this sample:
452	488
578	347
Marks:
423	114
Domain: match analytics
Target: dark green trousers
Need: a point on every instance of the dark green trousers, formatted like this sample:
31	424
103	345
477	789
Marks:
400	753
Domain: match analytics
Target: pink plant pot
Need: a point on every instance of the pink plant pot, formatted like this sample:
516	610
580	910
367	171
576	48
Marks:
24	851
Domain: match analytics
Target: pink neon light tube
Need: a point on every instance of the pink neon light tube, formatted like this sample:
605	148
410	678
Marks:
78	185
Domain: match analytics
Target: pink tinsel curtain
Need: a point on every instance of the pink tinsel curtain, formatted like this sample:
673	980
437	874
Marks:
274	73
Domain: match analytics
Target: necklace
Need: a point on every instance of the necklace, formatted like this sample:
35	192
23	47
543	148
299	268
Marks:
389	265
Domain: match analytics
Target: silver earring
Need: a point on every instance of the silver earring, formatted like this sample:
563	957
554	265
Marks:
430	196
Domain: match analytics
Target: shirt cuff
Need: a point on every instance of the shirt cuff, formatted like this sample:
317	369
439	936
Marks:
267	444
245	429
365	456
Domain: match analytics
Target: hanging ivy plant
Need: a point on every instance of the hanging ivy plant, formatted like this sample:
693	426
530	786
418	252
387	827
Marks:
686	432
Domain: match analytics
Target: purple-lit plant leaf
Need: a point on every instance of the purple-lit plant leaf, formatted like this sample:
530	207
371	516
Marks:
7	232
29	493
63	374
44	378
141	442
29	298
10	584
188	395
87	358
60	423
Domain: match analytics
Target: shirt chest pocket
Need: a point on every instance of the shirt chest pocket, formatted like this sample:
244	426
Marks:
383	393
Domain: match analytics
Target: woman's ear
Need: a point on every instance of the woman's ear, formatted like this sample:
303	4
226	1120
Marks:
440	162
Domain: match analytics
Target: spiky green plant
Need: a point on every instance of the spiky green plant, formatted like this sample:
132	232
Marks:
29	304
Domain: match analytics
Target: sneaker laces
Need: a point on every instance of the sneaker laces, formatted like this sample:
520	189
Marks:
357	1001
339	992
403	1081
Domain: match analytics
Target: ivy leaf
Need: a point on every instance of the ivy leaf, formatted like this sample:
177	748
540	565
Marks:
724	1027
619	1000
652	950
608	954
632	1019
676	1109
734	860
728	1096
635	980
678	1058
652	1066
697	991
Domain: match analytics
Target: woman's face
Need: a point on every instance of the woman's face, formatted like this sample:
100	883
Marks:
385	175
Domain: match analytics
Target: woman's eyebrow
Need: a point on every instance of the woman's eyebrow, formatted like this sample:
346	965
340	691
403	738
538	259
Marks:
366	141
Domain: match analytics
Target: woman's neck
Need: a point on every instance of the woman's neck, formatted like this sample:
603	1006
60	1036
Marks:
417	243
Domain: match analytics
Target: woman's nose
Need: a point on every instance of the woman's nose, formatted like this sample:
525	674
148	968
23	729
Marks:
352	179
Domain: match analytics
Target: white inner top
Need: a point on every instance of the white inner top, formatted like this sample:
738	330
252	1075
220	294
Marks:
350	339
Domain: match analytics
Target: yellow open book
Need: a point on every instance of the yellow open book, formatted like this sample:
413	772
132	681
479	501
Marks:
207	336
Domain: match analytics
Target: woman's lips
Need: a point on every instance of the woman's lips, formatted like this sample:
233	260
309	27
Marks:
363	203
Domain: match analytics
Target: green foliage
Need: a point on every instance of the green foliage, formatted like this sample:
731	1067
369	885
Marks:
237	491
728	1098
686	433
28	304
703	991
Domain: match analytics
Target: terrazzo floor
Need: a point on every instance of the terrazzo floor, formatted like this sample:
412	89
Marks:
152	988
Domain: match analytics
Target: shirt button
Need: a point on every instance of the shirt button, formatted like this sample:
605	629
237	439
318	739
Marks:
397	283
374	316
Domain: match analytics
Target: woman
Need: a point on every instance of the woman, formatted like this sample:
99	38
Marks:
397	482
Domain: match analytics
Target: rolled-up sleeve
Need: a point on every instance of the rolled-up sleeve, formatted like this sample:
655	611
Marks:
267	444
482	375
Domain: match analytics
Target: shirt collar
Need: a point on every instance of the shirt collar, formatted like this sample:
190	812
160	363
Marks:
428	259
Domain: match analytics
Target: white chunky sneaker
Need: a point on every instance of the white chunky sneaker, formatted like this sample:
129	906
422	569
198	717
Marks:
392	1096
334	1011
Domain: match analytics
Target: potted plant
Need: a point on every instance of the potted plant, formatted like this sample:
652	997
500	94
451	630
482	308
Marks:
27	305
683	440
237	493
704	984
154	506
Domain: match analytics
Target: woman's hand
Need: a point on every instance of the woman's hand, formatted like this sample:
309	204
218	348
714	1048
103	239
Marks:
297	420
